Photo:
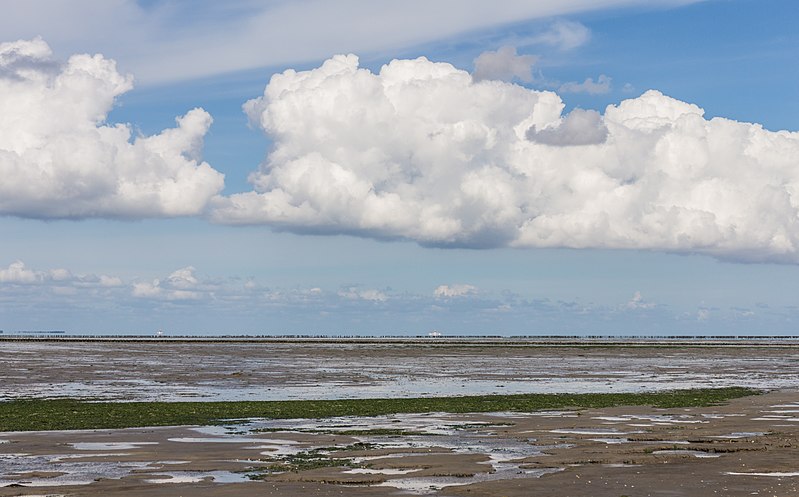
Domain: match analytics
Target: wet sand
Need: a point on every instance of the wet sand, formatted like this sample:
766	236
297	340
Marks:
748	446
171	371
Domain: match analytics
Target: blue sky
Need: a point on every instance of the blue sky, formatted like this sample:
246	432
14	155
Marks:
213	257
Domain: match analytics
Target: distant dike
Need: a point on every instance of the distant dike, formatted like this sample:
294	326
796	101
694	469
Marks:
437	340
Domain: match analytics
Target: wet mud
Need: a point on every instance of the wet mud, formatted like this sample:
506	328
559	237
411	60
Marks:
166	371
748	446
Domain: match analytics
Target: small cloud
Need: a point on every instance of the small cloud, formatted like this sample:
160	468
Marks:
600	86
60	275
450	291
374	295
64	290
504	65
183	278
110	281
564	35
183	295
579	127
147	290
628	88
16	272
503	308
183	284
354	293
702	315
638	302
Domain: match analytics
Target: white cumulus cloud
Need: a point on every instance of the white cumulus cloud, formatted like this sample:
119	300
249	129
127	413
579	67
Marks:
422	151
405	153
58	158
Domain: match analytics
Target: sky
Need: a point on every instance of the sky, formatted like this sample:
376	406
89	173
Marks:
605	167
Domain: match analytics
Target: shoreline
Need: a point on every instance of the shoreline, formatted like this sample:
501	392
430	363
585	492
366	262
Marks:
439	341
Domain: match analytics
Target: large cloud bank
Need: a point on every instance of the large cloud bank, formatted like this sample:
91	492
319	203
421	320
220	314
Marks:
59	160
422	151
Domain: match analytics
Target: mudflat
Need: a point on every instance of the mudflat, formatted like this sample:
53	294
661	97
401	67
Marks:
746	446
283	370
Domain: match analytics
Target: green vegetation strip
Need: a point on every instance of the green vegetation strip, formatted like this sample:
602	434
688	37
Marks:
67	414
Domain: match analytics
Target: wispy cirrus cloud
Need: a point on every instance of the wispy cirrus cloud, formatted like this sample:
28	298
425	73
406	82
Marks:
561	34
172	40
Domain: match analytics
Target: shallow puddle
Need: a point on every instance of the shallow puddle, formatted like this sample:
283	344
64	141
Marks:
610	441
742	434
696	453
20	469
422	435
433	484
109	445
385	471
198	476
591	431
773	474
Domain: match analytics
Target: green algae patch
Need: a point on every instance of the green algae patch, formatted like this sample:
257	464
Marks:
70	414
